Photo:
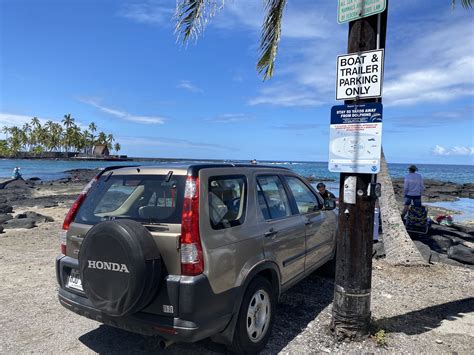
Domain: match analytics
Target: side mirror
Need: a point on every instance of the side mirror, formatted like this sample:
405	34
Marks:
329	204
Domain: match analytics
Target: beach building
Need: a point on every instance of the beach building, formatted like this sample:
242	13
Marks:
100	150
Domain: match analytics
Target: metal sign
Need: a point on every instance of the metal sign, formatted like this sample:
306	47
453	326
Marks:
350	10
360	75
355	138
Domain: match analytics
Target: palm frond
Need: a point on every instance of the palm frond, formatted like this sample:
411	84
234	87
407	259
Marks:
193	15
270	37
467	4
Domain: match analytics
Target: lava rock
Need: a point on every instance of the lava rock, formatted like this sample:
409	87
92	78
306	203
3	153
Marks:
38	218
1	229
35	178
462	254
5	217
4	208
439	242
25	223
424	250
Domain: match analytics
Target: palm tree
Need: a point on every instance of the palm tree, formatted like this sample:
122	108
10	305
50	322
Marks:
67	121
117	147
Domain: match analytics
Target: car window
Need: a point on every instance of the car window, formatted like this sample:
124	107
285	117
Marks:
305	199
227	201
272	197
146	198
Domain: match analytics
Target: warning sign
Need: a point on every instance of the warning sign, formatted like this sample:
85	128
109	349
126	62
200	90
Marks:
355	138
360	75
350	10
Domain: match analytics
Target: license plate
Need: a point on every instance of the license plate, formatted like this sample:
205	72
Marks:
74	280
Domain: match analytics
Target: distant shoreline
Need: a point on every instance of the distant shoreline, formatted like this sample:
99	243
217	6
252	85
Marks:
161	159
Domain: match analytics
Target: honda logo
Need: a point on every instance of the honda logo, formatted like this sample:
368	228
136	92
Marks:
105	265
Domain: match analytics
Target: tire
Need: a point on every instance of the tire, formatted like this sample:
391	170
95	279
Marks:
255	318
120	267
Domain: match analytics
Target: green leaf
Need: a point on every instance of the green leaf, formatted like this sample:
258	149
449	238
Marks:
270	37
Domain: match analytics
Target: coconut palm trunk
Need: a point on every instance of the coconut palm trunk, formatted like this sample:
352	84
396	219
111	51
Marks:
399	247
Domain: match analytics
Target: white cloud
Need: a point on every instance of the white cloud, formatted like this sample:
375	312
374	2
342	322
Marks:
457	150
229	118
189	86
123	114
149	13
170	142
437	65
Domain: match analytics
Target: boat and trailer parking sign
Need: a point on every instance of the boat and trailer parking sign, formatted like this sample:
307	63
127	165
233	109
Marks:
355	138
360	75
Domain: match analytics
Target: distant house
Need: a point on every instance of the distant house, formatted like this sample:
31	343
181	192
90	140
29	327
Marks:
101	150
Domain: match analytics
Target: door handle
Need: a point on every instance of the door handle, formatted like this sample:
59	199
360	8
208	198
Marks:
270	233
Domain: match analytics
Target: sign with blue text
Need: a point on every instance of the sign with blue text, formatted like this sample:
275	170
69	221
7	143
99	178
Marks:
355	138
360	75
350	10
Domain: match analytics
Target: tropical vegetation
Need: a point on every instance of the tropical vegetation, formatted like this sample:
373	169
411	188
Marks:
37	138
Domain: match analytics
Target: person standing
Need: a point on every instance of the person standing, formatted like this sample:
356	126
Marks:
412	188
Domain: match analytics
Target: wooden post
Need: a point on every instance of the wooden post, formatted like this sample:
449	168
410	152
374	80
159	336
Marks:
353	282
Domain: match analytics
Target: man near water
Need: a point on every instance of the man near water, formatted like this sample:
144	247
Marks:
412	188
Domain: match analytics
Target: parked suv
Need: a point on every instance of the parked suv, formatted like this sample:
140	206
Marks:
192	252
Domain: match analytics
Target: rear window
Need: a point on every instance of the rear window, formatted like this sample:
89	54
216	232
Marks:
147	199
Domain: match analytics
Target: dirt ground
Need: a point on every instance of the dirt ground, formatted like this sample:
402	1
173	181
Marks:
420	309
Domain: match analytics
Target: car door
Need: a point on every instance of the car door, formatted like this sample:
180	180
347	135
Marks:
319	239
283	229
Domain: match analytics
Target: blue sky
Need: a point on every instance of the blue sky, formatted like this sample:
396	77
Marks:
118	64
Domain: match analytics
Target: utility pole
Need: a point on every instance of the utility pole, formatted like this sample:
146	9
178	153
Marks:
353	282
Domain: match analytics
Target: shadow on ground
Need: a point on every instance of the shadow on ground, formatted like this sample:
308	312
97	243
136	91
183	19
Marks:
426	319
297	307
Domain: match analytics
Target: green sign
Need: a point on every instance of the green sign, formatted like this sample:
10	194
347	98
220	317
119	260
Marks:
350	10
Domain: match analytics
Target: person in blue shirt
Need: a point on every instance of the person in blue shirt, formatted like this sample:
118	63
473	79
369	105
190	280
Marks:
16	173
412	188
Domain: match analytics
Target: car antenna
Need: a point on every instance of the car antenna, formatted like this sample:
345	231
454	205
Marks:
168	176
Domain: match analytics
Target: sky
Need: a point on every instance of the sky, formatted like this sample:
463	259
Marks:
119	64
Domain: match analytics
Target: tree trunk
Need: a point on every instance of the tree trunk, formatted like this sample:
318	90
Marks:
399	248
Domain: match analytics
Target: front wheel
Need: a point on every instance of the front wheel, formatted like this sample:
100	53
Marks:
255	318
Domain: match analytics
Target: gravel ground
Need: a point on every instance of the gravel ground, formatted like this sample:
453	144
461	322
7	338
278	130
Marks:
421	309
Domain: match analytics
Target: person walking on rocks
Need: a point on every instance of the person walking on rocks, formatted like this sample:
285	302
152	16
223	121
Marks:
412	188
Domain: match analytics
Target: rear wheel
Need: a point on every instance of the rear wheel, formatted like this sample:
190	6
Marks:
255	319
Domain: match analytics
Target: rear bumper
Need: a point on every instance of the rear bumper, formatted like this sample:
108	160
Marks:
197	312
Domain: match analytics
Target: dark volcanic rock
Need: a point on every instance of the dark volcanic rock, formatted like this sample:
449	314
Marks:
424	250
5	217
462	254
25	223
440	190
1	229
439	242
34	179
38	218
4	208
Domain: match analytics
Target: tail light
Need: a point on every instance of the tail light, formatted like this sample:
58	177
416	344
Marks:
192	262
72	213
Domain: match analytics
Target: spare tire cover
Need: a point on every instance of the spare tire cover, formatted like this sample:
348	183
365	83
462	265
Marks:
120	266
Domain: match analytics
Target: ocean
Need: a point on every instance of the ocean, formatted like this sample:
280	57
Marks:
55	169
